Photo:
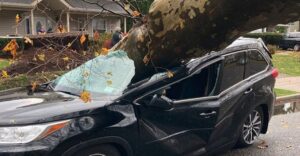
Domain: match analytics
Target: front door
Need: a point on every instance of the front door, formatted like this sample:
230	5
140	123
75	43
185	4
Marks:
185	127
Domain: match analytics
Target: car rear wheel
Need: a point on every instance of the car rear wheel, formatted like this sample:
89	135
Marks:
297	47
99	150
251	128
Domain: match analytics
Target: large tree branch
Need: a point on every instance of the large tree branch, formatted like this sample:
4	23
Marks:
182	29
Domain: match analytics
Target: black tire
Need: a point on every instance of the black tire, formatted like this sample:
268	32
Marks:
251	128
99	150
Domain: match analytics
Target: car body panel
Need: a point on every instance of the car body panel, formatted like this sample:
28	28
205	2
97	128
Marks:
189	127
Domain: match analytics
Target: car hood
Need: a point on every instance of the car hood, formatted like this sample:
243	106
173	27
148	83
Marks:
19	108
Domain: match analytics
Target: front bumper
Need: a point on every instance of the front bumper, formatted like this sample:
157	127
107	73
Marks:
24	150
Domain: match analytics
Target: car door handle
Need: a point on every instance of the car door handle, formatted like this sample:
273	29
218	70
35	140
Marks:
248	91
208	115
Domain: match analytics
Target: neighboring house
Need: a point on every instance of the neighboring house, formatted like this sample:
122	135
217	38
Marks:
75	15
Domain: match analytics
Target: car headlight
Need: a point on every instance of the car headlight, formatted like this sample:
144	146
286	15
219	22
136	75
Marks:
26	134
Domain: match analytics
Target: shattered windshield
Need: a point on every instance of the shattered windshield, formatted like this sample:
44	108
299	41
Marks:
104	75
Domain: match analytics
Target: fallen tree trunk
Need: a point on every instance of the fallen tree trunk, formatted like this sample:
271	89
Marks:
176	30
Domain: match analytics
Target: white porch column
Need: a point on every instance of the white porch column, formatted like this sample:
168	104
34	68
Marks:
68	21
32	22
125	25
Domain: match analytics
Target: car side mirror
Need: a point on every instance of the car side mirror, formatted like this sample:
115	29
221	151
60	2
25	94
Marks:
161	102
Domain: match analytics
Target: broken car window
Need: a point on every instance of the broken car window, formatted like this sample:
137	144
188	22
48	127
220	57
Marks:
199	85
104	75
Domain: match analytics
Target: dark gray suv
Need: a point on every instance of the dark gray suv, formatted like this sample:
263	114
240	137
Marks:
208	105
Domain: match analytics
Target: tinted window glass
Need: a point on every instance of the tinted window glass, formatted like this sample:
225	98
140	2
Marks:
233	70
199	85
255	63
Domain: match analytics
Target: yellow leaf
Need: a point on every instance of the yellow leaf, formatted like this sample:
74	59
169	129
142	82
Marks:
104	51
109	82
66	58
69	45
28	40
12	47
82	39
170	74
97	54
18	18
33	86
85	97
127	7
136	13
86	74
34	58
5	74
41	57
11	62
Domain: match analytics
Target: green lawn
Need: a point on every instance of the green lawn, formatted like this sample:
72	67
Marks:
3	63
282	92
287	63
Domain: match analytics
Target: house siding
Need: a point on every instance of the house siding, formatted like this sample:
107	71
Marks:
7	23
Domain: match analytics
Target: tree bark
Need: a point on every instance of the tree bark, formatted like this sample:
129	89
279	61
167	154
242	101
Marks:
176	30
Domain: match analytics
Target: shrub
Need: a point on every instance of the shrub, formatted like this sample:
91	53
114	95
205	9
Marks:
268	38
4	41
96	45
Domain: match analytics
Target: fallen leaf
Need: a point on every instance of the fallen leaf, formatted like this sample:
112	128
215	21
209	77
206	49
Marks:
41	57
34	58
12	47
4	74
263	144
66	58
82	38
11	62
33	86
69	45
86	74
170	74
136	13
104	51
109	82
127	7
28	40
85	96
97	54
18	18
84	53
109	73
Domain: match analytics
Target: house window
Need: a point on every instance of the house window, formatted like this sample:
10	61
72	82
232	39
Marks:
99	25
28	26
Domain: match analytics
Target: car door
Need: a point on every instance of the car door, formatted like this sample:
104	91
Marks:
186	126
234	98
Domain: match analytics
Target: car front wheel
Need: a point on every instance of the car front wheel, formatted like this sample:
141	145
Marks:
251	128
100	150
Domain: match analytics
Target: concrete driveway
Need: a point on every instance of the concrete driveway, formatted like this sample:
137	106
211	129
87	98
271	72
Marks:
282	139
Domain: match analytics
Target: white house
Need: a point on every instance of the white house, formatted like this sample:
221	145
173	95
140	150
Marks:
75	15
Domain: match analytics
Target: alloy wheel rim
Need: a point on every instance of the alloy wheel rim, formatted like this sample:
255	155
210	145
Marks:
252	127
